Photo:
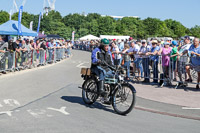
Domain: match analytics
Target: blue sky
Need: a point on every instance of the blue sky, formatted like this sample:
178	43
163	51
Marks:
185	11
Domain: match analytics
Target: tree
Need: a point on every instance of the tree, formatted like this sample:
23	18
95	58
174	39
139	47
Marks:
74	20
195	31
176	28
97	25
4	17
106	25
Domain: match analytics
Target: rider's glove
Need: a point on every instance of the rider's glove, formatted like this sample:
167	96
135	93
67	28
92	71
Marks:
101	62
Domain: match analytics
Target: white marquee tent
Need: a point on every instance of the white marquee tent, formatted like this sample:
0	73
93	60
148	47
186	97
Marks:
114	37
89	37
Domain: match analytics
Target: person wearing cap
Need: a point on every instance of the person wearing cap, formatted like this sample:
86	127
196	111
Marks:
183	59
134	50
127	60
154	60
23	53
173	56
145	60
101	56
17	50
165	52
2	57
50	50
194	52
115	51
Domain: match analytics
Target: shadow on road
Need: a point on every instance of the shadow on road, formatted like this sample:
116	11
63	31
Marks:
79	100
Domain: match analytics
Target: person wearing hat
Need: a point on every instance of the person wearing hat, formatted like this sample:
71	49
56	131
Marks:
145	60
173	56
100	57
154	60
50	50
194	52
183	59
165	52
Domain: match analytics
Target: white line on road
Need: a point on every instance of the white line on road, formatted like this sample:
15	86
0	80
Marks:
79	65
9	113
11	102
62	110
188	108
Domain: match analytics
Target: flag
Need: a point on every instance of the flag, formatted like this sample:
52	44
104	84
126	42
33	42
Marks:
31	25
19	20
38	28
73	34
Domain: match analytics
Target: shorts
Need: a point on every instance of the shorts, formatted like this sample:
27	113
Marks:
138	62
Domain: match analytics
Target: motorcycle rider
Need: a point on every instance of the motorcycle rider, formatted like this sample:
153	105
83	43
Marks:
101	58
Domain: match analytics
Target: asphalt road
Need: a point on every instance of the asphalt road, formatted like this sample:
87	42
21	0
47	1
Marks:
47	100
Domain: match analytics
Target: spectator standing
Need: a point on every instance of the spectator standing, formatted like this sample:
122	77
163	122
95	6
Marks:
127	60
145	60
154	60
174	54
183	59
165	52
50	50
194	51
2	57
115	51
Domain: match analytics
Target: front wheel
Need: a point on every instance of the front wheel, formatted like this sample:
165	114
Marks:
89	91
123	99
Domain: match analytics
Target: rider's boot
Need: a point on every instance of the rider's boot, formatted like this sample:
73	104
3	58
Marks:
101	88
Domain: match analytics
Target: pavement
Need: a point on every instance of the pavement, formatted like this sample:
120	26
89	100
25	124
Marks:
47	100
186	97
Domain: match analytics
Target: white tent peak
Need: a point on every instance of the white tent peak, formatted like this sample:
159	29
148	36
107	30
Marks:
89	37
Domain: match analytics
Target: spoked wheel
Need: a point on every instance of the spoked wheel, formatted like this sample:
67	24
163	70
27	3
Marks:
123	99
89	91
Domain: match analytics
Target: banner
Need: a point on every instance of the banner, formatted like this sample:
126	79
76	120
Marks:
73	34
31	25
38	28
19	20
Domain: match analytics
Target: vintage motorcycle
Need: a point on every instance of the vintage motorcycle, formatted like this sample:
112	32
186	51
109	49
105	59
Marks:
120	93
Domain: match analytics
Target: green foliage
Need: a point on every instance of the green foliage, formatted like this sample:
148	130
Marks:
195	31
97	25
4	17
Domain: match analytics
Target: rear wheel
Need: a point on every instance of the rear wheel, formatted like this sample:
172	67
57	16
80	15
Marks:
89	91
123	99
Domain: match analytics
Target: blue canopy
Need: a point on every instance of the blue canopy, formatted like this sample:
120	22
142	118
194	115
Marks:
11	28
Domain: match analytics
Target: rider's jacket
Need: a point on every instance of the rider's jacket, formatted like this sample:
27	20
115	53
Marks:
99	54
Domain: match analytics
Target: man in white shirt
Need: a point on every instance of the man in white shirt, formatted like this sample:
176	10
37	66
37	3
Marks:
115	51
137	62
183	59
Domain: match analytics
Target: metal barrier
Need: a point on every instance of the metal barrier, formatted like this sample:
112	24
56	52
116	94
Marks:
16	61
159	68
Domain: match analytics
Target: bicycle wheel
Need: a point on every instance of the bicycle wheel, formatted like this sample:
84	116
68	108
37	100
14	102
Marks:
123	99
89	92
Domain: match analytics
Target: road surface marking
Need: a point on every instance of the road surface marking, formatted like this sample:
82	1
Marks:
9	113
62	110
36	113
11	102
188	108
1	105
80	65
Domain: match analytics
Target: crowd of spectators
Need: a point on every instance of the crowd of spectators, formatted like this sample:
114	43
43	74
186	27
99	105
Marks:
23	53
176	58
